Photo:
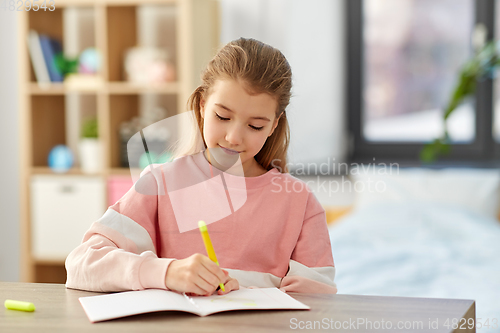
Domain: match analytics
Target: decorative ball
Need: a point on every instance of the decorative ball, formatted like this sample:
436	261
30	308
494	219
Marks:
89	61
60	159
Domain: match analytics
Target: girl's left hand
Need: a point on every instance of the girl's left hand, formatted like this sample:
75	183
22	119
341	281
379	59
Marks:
231	284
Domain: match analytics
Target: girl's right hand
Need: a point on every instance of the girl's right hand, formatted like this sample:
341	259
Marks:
196	274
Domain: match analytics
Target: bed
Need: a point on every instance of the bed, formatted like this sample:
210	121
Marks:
429	233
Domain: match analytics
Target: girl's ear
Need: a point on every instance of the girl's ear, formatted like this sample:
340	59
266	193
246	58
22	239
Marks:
274	126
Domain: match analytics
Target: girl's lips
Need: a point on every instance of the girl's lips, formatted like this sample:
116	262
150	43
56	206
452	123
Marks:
229	151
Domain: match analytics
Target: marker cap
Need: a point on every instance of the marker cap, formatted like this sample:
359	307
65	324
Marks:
202	226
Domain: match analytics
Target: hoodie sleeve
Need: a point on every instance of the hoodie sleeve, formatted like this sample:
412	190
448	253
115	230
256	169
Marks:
311	268
120	252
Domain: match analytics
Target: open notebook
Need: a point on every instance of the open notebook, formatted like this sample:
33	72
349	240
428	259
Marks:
111	306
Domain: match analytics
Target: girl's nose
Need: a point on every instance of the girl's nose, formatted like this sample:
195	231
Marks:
233	136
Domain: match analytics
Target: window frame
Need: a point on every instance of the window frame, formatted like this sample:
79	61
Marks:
482	151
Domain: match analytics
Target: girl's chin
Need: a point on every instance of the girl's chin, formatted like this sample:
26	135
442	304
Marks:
224	161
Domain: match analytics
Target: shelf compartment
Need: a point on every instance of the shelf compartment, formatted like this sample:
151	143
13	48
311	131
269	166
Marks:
50	272
122	108
125	107
47	126
147	25
47	23
122	35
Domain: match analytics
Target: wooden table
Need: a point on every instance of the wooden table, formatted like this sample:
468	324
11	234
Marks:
58	310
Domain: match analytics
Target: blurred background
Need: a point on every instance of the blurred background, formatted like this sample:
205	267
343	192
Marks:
371	81
311	35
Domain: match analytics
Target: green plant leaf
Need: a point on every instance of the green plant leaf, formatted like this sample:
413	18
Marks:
89	128
66	65
433	150
481	66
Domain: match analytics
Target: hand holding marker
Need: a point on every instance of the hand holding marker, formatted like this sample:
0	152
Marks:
208	246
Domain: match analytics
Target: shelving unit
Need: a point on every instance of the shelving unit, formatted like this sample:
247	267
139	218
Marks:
45	111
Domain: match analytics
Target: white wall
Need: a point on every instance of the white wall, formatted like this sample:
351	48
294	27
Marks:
9	150
310	34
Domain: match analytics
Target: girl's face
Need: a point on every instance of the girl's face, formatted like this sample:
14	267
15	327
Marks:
237	122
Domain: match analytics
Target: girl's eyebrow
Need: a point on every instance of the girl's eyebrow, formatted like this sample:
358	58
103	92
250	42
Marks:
228	109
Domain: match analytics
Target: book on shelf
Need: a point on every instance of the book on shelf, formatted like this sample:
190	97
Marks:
37	59
43	51
117	305
50	48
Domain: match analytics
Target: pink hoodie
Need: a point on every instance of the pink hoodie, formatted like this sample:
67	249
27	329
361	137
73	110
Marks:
270	233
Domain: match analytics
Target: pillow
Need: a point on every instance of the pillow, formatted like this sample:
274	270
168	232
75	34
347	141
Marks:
474	189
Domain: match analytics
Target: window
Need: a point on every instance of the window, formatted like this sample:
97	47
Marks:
404	57
496	105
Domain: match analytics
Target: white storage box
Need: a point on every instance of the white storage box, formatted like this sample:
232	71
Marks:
62	210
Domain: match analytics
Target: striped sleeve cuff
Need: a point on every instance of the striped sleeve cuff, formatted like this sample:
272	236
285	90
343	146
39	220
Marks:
152	273
303	279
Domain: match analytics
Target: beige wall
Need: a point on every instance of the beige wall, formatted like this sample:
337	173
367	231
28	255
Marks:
9	146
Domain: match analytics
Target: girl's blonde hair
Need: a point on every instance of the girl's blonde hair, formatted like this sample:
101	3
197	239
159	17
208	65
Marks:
262	69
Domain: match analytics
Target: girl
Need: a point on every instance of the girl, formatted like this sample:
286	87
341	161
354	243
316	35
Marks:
277	238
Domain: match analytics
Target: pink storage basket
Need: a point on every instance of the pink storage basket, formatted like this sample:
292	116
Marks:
117	187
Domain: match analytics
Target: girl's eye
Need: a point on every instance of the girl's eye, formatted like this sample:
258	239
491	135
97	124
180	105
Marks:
252	127
221	117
